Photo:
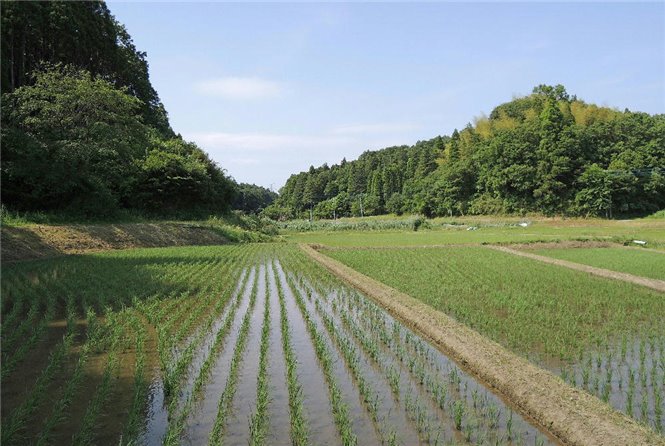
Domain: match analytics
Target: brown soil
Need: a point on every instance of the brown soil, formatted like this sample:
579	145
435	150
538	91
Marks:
658	285
571	415
40	241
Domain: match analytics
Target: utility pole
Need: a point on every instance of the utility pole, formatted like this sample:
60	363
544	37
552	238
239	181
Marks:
362	214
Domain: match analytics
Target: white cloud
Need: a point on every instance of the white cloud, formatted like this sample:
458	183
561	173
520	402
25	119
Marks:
240	88
380	128
269	158
261	142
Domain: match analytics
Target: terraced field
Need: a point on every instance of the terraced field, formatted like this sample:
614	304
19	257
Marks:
225	345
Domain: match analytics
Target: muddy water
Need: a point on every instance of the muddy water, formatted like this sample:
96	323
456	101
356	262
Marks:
362	425
393	419
460	386
409	388
207	345
279	428
629	374
244	400
157	417
486	417
202	417
316	401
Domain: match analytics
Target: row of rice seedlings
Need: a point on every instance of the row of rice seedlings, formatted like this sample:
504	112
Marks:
258	424
141	385
16	422
13	329
473	412
180	361
205	297
178	417
23	289
465	417
427	427
225	401
11	361
299	428
352	358
182	398
161	306
117	323
630	375
339	407
59	410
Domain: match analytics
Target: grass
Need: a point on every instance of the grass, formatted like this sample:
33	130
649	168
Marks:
633	261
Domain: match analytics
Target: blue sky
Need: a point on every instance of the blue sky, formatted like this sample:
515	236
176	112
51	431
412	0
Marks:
270	89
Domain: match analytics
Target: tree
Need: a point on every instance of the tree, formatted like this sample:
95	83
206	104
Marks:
81	34
595	195
69	142
253	199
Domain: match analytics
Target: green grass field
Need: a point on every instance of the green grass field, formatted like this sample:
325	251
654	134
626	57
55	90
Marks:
633	261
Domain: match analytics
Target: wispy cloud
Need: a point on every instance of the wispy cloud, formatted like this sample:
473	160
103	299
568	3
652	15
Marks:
378	128
269	158
240	87
261	142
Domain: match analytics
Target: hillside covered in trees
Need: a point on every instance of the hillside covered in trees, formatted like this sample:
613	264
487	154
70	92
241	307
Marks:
83	130
548	152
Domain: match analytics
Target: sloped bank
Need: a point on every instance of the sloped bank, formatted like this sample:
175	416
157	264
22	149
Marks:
41	241
571	415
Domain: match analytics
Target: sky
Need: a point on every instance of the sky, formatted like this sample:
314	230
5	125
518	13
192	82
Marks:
268	89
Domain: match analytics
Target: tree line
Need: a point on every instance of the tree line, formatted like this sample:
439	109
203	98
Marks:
548	153
83	130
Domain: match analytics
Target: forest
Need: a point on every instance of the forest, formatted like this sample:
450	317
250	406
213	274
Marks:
548	153
84	132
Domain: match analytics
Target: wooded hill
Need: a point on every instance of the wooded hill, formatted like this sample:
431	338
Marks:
547	152
83	130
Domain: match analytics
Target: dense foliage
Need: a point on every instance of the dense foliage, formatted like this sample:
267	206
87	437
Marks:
548	153
73	142
251	198
83	130
83	34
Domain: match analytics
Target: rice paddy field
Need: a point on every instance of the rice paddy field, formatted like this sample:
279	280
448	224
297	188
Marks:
251	344
259	344
605	336
479	231
635	261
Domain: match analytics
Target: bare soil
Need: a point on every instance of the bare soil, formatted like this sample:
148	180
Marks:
658	285
571	415
41	241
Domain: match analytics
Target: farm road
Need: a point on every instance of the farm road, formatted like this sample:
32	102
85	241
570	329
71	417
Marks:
658	285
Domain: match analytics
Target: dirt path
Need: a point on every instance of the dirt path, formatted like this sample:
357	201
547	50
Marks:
658	285
571	415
